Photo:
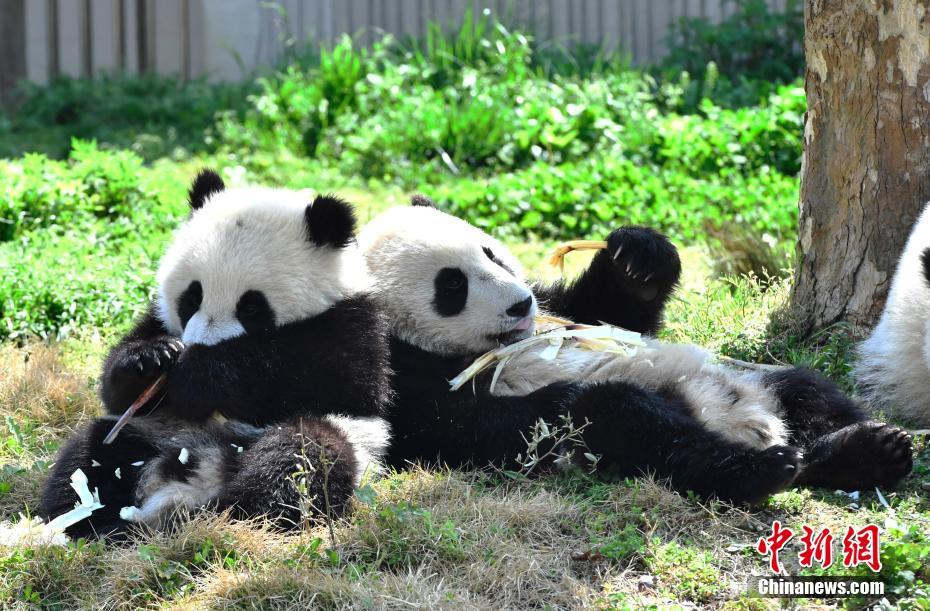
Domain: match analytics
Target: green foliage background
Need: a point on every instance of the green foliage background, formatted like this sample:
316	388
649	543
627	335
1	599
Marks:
529	143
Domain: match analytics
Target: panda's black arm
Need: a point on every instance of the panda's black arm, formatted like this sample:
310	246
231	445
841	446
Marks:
463	429
627	284
470	426
334	363
136	361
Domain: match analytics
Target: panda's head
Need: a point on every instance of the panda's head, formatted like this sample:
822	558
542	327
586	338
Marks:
446	286
252	259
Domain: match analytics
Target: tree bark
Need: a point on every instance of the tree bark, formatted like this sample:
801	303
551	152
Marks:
864	176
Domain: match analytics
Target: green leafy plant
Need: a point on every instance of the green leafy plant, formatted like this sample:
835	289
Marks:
732	60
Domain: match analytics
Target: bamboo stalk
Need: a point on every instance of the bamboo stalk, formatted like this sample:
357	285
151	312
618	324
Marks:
557	259
141	400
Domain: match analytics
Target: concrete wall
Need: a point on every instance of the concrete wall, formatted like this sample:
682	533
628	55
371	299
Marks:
223	39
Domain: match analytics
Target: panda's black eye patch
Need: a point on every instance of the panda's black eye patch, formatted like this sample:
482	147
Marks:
254	313
490	254
451	291
189	302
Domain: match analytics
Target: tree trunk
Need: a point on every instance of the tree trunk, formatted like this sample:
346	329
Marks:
866	169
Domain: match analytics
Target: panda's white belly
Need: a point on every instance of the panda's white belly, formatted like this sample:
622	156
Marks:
735	404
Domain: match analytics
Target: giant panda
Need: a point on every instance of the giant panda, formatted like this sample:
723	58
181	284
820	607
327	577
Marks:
452	292
262	316
893	365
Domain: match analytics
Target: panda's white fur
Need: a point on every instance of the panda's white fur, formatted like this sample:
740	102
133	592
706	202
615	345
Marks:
252	238
405	247
733	403
893	368
158	497
369	438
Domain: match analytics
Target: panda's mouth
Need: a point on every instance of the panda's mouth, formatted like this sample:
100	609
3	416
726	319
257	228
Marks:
521	330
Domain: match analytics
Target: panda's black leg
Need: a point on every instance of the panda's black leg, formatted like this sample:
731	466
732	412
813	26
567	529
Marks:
302	467
113	470
812	406
843	448
637	431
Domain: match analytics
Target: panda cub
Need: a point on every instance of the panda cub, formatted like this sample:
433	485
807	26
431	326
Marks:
893	368
452	292
262	316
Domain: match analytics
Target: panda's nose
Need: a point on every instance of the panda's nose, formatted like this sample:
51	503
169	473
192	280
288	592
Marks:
521	308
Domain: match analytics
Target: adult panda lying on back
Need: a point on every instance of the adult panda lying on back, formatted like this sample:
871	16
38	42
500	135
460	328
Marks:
262	316
452	292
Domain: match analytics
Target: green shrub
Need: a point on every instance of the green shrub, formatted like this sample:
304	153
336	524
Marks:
81	239
746	139
37	192
749	51
508	136
595	195
153	115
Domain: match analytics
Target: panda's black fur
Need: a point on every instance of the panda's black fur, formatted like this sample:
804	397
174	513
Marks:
300	368
315	387
634	428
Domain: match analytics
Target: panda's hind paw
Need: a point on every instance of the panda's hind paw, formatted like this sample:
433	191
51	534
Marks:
763	474
863	455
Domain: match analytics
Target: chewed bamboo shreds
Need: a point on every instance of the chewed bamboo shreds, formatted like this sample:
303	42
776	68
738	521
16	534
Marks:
549	319
33	531
558	254
602	338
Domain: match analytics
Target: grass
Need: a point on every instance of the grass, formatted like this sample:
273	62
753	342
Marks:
440	539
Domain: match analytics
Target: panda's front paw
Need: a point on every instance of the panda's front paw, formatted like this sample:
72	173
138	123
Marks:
133	366
759	475
645	261
151	358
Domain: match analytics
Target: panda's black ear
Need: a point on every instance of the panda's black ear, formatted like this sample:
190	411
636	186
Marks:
330	221
419	199
206	184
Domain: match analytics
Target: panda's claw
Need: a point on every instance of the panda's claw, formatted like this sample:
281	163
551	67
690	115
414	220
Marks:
644	259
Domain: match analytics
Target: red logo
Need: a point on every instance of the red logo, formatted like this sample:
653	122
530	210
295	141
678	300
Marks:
773	544
817	547
859	547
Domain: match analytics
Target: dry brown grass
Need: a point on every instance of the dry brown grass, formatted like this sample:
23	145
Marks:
419	539
36	385
41	401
